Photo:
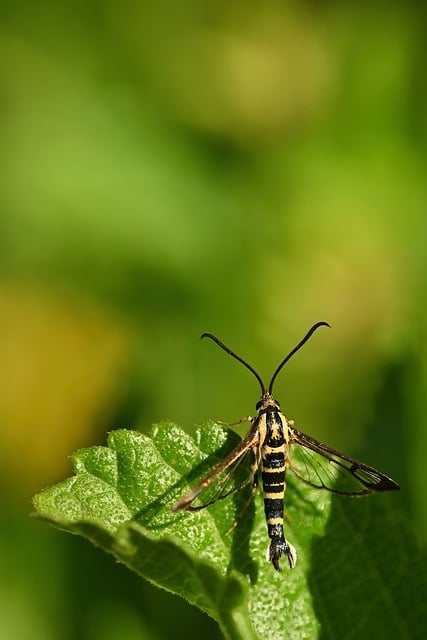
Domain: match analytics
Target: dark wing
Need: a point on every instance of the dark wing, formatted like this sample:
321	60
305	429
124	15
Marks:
324	468
223	480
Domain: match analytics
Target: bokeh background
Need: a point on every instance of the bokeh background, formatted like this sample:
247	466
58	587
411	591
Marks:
169	168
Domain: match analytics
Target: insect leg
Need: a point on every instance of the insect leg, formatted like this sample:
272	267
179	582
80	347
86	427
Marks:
233	424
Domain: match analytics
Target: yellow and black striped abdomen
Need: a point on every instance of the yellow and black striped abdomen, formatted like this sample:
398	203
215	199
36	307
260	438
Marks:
274	457
274	453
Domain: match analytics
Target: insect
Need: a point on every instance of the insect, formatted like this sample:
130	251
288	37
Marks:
270	439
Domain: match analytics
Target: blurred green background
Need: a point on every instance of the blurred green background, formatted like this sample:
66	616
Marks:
170	168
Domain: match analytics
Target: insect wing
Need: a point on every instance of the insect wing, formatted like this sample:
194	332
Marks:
222	481
322	467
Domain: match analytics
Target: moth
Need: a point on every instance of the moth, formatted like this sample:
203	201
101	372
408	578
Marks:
271	440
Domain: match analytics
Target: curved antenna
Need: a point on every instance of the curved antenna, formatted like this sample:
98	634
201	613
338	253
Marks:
294	350
231	353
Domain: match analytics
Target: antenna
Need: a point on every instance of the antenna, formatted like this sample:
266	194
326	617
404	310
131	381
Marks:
231	353
281	365
294	350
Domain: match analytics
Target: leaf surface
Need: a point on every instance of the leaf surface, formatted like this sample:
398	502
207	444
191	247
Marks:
121	496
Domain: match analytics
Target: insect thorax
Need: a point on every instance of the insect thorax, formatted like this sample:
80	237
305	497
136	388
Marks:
271	424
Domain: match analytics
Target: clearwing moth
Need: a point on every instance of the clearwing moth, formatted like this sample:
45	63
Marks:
270	440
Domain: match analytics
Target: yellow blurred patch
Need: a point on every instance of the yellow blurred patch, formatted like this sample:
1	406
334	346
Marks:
60	366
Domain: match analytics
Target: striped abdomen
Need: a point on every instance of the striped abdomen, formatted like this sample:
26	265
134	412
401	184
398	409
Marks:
274	462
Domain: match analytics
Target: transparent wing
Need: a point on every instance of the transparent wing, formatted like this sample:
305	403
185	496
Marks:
227	477
324	468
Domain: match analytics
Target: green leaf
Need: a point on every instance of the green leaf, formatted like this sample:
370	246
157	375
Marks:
120	498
